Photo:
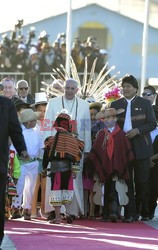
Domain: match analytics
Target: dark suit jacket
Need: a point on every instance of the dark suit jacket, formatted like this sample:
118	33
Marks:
143	118
30	99
9	126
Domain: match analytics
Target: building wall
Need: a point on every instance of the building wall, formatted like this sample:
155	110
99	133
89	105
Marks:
125	37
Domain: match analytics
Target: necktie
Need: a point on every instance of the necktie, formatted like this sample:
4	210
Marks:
127	124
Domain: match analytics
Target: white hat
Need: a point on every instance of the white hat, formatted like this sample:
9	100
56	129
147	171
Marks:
103	51
40	98
33	51
43	34
22	46
28	115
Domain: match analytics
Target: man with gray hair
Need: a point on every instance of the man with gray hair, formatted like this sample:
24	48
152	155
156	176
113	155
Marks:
9	90
78	109
23	92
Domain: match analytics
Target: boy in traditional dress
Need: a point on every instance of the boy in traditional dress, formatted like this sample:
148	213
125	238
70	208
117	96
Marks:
110	155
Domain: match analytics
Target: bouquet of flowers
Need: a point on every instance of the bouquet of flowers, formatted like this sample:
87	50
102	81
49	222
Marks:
113	95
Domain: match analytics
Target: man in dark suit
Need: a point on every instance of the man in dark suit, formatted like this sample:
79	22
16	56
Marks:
9	126
23	92
137	121
150	94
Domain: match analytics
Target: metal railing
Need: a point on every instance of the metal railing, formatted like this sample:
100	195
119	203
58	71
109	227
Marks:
34	81
16	76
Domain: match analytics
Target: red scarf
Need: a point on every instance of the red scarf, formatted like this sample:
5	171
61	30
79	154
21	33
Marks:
118	148
109	139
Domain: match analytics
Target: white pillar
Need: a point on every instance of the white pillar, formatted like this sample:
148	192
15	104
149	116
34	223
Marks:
144	45
68	37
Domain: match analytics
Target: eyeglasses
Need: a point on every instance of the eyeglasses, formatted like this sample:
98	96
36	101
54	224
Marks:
147	94
26	88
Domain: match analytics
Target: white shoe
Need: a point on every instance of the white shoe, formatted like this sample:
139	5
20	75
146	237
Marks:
33	216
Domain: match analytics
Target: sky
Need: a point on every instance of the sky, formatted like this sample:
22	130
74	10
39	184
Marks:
34	10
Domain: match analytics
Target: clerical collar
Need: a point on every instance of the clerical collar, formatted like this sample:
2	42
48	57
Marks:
70	101
70	104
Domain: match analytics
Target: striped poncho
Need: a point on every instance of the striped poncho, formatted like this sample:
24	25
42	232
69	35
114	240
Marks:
66	146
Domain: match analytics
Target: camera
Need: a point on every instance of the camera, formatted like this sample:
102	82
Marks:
19	24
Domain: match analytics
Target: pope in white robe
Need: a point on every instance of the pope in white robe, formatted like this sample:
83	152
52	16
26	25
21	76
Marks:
79	111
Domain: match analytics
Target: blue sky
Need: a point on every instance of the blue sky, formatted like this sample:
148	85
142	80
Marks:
34	10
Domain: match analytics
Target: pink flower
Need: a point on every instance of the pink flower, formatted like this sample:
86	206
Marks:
113	95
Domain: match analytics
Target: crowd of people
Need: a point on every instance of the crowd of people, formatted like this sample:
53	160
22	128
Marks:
85	159
33	56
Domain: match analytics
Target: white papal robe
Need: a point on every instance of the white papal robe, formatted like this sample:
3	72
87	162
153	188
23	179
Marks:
79	110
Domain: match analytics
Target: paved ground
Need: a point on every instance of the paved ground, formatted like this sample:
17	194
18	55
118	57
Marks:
7	244
154	222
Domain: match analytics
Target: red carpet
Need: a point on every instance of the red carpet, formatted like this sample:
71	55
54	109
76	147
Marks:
83	234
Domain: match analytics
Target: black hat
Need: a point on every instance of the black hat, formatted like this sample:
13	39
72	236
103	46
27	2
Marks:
20	103
152	89
131	80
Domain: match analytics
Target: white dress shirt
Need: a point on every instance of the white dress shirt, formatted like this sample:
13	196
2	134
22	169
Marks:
128	122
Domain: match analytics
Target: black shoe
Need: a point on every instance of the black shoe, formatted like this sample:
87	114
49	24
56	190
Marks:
16	214
69	219
136	218
151	216
113	218
26	214
51	216
144	218
129	220
105	219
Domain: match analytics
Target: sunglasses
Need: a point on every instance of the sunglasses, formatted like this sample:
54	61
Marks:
147	94
26	88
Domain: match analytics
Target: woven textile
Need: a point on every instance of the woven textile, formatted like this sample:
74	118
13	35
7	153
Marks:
67	144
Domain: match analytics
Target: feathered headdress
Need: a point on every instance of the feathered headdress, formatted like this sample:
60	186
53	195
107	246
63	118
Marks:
92	85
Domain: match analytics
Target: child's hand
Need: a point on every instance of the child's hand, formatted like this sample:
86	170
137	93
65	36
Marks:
24	156
132	133
74	175
15	180
44	173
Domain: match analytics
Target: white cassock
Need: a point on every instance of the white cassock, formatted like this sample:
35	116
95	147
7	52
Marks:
79	110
